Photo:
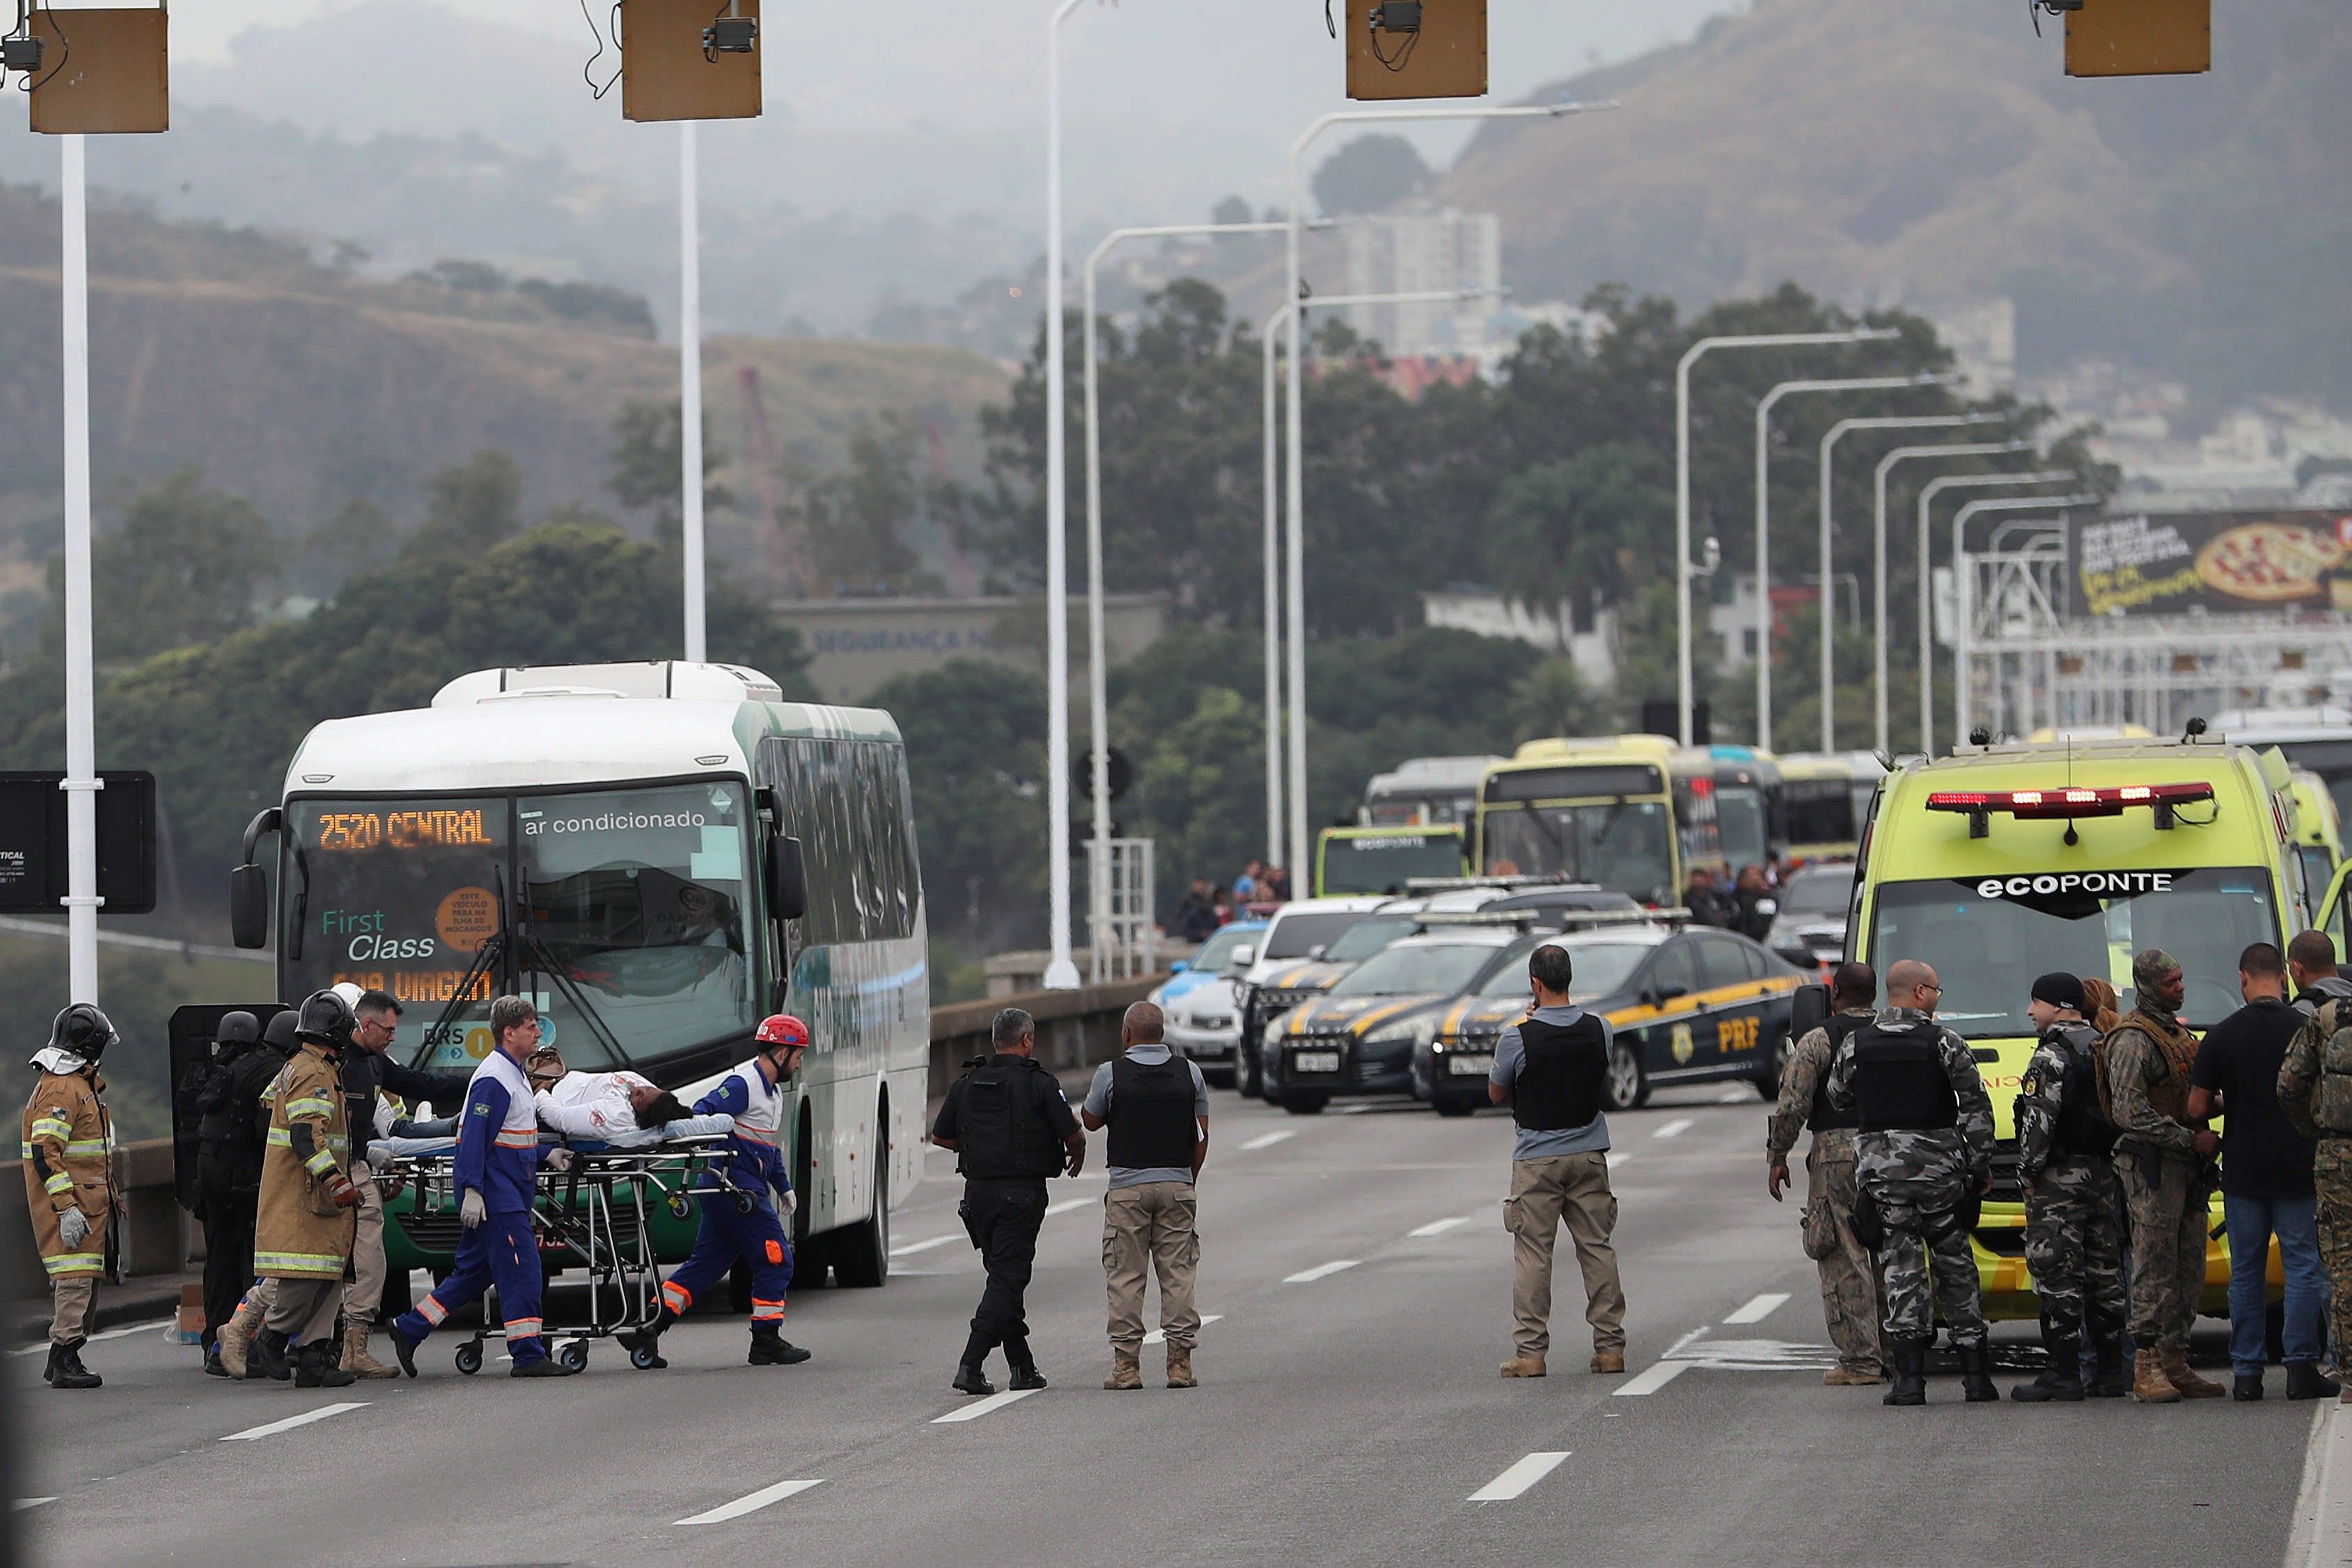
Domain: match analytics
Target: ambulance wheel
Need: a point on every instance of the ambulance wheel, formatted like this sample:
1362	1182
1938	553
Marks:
573	1355
678	1206
642	1358
745	1204
469	1357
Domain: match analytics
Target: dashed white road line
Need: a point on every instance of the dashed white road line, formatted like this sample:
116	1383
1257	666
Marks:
1653	1378
1439	1227
1321	1271
2323	1507
18	1505
1761	1308
1617	1157
926	1245
1519	1476
751	1504
1160	1336
1066	1204
979	1407
1735	1097
274	1428
1675	1129
146	1327
1268	1140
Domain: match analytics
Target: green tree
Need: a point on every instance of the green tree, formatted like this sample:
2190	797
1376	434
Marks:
858	514
648	438
183	567
472	505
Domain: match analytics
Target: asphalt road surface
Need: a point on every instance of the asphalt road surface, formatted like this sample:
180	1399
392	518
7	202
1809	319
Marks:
1359	1281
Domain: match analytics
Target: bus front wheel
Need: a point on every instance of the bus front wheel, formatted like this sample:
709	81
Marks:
861	1254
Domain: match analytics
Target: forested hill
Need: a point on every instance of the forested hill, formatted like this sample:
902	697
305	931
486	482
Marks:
1934	150
303	387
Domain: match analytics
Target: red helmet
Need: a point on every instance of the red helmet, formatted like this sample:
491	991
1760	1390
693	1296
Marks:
783	1029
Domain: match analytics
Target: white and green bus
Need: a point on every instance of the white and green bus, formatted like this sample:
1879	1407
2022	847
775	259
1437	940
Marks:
659	855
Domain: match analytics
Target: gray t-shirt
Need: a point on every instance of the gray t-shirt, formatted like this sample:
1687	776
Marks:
1511	1054
1099	1104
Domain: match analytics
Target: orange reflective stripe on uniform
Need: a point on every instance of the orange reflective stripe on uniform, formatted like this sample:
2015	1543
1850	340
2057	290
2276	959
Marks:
517	1140
676	1296
432	1310
755	1135
761	1311
523	1328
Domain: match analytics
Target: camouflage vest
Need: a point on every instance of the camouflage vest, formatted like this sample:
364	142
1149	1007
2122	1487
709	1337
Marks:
2177	1047
2331	1097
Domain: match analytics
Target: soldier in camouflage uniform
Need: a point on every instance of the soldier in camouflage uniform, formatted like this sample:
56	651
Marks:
1849	1274
2314	1090
2166	1164
2073	1241
1923	1159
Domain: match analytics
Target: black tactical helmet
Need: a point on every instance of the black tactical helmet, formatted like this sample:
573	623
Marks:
278	1033
237	1029
83	1029
327	1019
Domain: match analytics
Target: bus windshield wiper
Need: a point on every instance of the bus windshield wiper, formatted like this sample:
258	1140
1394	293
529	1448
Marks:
1559	842
486	960
538	958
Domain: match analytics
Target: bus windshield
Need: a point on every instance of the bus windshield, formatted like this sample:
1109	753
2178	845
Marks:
1740	822
1382	863
1819	811
1622	844
1989	936
633	932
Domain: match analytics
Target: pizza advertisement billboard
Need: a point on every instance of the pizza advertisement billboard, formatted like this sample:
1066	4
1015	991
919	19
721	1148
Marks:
2157	563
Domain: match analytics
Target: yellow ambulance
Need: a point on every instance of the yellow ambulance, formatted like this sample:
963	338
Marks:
2005	861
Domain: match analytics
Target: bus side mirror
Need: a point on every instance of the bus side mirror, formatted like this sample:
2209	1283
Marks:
787	880
248	906
1808	1009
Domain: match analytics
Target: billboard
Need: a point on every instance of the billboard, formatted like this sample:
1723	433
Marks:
2218	562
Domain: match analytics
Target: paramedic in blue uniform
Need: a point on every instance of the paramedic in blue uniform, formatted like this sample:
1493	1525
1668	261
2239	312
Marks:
755	1096
496	1178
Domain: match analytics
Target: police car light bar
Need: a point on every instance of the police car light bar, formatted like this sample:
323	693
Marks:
2053	805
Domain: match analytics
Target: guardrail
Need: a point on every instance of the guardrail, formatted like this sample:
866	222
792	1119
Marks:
1075	1029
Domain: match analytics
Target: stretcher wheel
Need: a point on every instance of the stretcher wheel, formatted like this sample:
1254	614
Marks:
573	1355
469	1357
642	1358
677	1205
746	1203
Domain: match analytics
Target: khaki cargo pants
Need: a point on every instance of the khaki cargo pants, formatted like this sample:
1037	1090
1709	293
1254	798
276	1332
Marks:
73	1300
1151	1226
368	1274
1575	1188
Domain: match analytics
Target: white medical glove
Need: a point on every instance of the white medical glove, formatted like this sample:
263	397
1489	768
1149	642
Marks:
473	1211
557	1160
788	1202
73	1226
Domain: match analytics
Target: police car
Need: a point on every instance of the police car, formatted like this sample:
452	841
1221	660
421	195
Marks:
1686	1007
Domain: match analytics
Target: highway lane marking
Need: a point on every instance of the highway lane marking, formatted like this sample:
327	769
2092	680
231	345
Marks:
979	1407
1066	1206
1160	1336
1268	1140
1653	1378
926	1245
18	1505
1616	1159
1440	1226
1761	1308
1733	1097
1519	1476
1321	1271
749	1503
274	1428
2323	1509
146	1327
1675	1129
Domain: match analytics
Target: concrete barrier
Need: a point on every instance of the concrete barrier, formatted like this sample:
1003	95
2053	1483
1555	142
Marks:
1075	1029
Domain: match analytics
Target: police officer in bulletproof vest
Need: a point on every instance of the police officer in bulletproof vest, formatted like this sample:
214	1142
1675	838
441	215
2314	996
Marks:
2311	970
2074	1230
1011	1128
1156	1105
230	1128
1923	1161
1548	1068
1849	1277
2314	1090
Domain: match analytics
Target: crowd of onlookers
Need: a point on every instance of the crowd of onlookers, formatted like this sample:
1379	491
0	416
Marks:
1206	905
1746	906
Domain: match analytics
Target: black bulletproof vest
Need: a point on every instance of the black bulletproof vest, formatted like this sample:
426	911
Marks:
1001	1129
1151	1122
1559	1085
1898	1080
2082	1125
1825	1117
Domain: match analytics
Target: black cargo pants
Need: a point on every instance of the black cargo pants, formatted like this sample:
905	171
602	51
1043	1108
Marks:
229	1216
1002	1215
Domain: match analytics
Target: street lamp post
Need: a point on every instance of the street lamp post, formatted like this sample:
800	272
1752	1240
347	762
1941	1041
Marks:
1764	532
689	387
1928	494
1691	356
1961	587
1295	488
1837	433
1887	466
81	781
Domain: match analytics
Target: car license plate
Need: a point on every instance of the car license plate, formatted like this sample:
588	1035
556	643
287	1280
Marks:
1464	1066
1315	1061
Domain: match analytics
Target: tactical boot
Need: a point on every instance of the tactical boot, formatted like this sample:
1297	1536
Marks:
1976	1373
1023	1366
2246	1387
2306	1380
1126	1368
70	1373
2149	1386
1910	1358
1846	1377
2175	1364
1606	1361
1524	1366
770	1348
269	1358
316	1366
356	1359
57	1353
2062	1379
405	1348
970	1379
2107	1381
236	1339
213	1367
1180	1366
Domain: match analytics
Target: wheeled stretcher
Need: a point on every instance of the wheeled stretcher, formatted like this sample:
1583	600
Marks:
593	1218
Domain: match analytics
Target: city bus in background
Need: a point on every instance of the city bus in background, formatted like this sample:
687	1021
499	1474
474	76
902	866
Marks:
2319	739
1632	812
1425	792
1384	859
1747	804
658	855
1825	799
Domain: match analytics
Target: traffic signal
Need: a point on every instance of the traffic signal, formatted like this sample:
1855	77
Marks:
2139	38
689	59
101	72
1416	48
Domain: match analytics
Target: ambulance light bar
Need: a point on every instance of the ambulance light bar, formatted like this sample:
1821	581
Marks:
2051	805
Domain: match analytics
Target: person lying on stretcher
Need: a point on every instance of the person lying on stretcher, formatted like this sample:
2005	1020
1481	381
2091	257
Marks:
588	1110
